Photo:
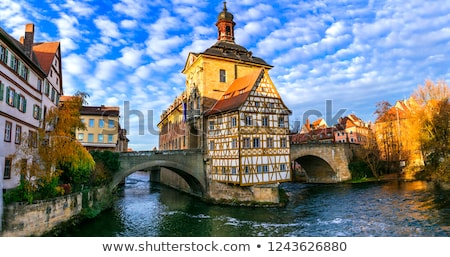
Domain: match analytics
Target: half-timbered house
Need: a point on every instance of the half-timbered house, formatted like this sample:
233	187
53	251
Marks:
247	133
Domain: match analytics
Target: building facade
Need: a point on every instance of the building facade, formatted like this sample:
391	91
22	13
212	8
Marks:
103	131
232	111
30	84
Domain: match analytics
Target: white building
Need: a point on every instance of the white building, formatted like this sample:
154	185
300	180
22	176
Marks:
30	84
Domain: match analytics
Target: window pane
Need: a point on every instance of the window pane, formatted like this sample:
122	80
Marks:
90	137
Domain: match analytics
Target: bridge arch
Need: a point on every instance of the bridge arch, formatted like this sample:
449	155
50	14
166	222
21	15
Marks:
323	163
316	169
187	165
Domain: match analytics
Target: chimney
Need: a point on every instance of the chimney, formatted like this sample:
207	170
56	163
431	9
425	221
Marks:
29	39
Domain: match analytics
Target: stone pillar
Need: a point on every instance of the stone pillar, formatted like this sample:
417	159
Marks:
155	174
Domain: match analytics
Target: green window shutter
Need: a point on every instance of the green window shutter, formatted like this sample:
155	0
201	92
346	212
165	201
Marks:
24	104
6	56
2	89
16	100
7	94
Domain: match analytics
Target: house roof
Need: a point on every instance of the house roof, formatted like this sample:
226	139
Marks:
19	48
236	94
234	51
100	110
45	53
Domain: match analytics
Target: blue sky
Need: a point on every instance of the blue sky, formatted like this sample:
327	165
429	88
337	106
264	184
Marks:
130	53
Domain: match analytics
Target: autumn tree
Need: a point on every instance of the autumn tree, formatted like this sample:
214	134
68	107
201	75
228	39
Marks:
52	156
371	154
387	135
433	118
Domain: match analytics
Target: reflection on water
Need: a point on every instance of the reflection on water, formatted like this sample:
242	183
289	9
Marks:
369	209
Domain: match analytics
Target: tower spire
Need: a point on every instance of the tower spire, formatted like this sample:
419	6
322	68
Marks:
225	25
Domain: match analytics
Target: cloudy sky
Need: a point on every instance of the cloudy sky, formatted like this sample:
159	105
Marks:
349	53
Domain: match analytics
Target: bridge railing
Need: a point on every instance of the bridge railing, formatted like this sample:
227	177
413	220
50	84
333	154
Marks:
160	152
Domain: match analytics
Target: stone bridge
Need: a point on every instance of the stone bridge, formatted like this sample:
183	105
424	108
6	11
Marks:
188	164
323	163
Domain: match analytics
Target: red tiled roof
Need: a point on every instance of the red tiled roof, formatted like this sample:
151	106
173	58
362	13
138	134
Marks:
45	52
236	94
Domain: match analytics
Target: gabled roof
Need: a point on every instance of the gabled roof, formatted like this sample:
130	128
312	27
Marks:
45	53
236	94
19	49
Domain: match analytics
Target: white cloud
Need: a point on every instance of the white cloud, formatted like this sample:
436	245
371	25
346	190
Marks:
108	29
131	57
80	8
128	24
353	52
132	8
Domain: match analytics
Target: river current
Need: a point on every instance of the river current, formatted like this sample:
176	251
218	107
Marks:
387	209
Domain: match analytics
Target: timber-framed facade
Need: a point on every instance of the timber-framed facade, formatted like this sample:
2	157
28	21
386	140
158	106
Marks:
232	111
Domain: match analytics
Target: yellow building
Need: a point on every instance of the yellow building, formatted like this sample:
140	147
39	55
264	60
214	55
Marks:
232	111
103	131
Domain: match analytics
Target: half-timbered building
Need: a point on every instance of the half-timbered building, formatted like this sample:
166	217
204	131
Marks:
232	111
247	133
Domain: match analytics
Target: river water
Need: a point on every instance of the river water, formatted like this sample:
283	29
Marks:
393	209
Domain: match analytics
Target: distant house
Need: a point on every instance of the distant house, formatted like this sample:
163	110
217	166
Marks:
103	130
349	129
394	137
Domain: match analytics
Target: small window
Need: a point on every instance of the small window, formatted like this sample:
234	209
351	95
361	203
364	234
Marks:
110	123
7	171
91	123
80	136
211	125
233	122
100	138
39	85
256	142
18	135
101	123
248	120
47	88
283	143
265	121
110	138
246	142
283	167
234	143
8	127
233	170
90	137
223	76
211	145
269	142
10	96
281	122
